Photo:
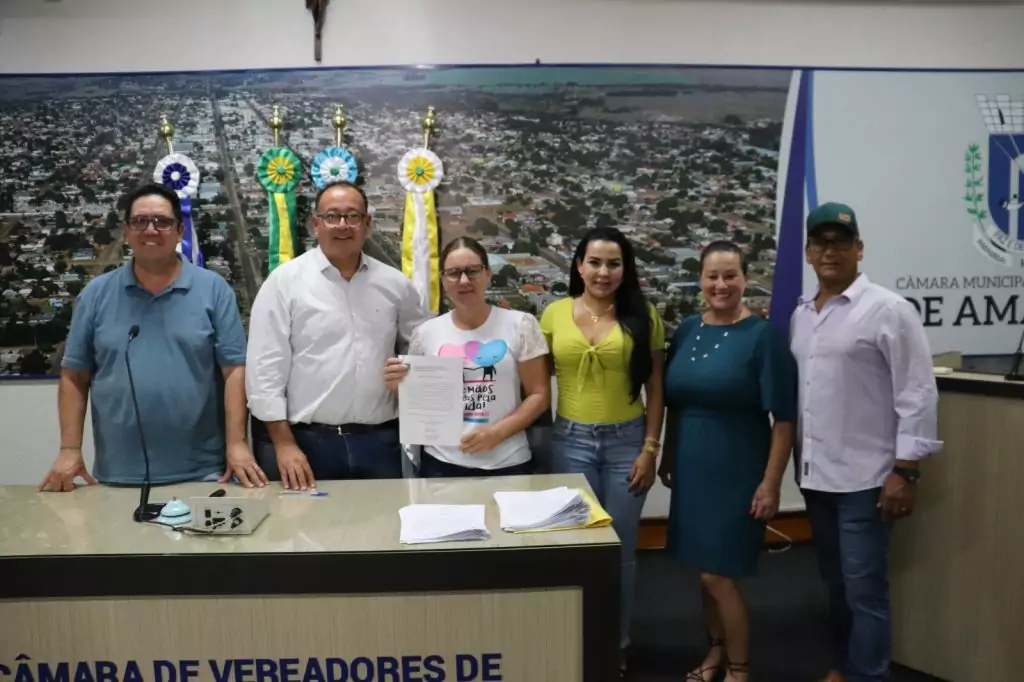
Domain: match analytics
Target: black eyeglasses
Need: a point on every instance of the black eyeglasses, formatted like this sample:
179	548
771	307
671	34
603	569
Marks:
141	222
819	244
336	219
455	274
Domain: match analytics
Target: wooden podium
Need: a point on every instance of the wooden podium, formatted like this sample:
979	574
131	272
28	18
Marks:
957	564
322	591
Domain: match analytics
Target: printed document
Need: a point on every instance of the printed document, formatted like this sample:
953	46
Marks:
542	509
442	523
430	401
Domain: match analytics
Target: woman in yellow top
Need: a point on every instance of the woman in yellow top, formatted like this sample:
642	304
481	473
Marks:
607	345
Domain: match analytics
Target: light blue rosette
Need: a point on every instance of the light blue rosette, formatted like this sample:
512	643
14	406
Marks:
333	164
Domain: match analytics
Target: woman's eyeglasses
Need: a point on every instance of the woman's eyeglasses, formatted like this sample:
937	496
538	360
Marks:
455	274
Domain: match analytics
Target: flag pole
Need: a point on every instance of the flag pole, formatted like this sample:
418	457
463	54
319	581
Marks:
339	122
429	126
276	123
166	131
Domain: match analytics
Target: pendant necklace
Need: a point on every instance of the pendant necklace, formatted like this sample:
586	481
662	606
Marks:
725	335
595	317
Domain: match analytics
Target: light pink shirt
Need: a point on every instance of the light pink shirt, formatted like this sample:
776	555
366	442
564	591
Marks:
867	388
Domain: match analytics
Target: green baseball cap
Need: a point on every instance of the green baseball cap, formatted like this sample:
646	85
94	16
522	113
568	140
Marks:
839	215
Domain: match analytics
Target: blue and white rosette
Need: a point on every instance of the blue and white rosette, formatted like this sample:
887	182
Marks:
180	173
334	164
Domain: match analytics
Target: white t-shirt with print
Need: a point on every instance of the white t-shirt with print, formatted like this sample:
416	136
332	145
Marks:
491	389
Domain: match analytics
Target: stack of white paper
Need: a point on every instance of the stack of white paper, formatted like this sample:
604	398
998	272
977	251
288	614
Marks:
442	523
531	510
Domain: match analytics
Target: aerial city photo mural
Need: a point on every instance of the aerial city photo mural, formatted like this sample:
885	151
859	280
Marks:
533	157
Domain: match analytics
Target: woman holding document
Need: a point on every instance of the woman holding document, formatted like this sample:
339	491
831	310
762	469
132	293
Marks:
503	354
607	346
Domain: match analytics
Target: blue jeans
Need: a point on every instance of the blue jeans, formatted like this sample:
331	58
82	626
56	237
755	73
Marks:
605	454
851	540
331	455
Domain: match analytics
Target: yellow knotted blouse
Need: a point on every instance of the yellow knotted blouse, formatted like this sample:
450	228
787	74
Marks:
593	381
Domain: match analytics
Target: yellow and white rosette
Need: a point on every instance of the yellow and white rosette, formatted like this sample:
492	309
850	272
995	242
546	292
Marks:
420	171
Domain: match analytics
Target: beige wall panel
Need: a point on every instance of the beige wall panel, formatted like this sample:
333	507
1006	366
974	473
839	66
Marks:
538	634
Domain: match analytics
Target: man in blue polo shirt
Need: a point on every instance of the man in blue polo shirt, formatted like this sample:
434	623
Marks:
179	326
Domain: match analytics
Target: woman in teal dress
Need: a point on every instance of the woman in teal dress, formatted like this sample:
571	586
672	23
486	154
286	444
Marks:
731	391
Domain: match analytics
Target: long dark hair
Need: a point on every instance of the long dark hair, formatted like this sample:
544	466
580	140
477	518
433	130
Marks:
630	303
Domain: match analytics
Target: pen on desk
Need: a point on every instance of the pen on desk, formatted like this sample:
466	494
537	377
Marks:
309	493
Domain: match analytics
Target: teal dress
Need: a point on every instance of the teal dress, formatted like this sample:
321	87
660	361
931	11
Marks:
721	383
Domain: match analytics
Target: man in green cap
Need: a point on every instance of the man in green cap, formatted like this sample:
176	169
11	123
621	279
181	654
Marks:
868	404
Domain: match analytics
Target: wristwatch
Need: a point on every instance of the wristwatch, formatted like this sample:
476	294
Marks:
907	474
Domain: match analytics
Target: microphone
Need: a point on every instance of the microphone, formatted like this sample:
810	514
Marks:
145	511
1015	374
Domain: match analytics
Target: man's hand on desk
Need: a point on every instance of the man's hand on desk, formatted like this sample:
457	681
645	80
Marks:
294	468
69	465
242	465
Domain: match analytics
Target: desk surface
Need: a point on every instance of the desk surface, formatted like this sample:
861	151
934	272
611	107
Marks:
980	384
355	516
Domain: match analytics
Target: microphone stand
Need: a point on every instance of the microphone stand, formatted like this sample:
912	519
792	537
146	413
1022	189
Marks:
145	511
1014	374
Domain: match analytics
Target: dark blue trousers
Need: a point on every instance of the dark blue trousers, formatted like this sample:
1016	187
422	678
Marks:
851	540
333	455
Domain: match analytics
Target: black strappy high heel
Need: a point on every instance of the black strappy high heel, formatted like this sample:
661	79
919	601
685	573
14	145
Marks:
742	668
698	675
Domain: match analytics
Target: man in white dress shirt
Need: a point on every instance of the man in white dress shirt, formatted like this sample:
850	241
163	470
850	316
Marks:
868	403
320	332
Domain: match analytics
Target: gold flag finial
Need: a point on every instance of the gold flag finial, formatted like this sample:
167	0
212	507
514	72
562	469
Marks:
339	122
276	123
166	132
429	126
